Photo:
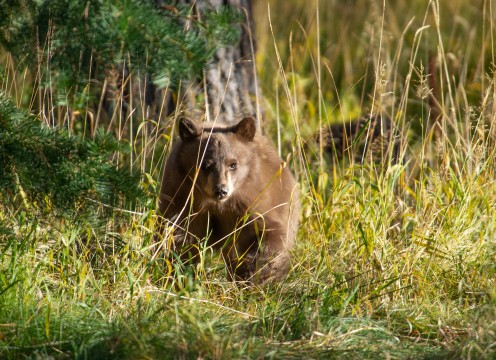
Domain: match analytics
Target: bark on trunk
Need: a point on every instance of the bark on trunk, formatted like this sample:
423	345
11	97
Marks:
230	81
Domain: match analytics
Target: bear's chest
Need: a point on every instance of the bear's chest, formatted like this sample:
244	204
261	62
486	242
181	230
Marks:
220	229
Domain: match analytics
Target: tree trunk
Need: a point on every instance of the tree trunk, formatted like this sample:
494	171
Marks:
231	88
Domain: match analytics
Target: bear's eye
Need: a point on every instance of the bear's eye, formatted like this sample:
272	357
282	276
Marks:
233	166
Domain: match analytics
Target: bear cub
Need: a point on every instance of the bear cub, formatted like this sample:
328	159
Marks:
226	186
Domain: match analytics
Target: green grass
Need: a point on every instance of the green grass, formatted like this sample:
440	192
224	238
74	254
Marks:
391	262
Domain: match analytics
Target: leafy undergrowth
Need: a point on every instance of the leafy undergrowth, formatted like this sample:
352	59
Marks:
372	277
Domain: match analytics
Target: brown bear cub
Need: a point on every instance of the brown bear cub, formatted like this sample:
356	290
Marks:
226	186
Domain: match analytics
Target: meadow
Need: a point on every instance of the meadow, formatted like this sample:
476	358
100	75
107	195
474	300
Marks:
392	261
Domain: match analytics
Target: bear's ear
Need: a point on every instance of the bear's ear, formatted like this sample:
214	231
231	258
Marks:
188	130
246	128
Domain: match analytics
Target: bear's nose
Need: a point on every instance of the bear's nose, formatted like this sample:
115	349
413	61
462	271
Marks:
220	192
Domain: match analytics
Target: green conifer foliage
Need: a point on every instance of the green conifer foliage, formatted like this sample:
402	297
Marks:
53	171
75	39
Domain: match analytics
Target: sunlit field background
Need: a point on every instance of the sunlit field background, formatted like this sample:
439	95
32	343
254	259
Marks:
392	261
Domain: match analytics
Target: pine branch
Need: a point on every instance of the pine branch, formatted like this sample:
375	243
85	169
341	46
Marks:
59	172
72	37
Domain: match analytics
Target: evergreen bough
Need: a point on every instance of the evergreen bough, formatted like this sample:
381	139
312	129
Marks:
79	41
50	170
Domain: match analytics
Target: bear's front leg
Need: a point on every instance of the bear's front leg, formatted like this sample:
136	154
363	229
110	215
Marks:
265	261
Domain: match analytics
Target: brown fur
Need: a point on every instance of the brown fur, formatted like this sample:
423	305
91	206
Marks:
227	186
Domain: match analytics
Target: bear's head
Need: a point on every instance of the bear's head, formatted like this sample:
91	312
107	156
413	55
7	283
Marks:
224	157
